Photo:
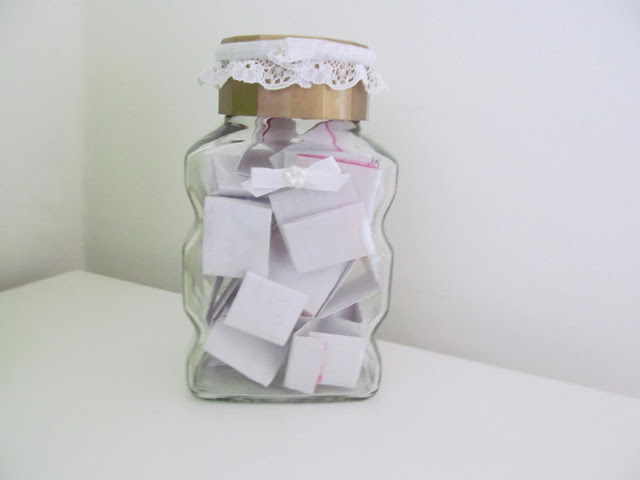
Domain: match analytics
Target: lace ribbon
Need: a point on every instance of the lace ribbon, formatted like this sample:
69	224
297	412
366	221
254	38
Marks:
278	64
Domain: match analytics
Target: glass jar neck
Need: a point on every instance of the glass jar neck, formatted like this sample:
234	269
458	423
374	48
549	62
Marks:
250	121
295	126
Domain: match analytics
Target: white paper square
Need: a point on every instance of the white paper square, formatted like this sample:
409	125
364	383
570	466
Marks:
236	235
317	284
266	309
343	360
255	358
328	238
304	367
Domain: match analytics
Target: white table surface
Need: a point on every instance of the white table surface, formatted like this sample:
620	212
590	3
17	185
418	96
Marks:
92	387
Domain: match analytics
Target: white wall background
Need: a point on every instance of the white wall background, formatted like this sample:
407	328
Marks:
41	139
516	226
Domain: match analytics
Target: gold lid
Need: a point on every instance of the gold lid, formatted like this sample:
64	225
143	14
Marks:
316	102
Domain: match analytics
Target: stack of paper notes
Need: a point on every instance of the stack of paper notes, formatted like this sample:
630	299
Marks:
291	224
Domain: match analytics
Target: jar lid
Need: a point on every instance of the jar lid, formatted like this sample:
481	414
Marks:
293	77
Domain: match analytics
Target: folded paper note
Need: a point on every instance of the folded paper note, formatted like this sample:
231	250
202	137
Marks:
343	360
317	284
254	357
366	180
266	309
236	237
304	367
352	313
357	283
363	169
327	351
295	203
328	238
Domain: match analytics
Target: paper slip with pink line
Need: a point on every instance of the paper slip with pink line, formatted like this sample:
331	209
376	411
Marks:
343	360
328	351
304	367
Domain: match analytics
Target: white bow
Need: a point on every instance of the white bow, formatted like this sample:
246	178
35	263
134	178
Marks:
322	175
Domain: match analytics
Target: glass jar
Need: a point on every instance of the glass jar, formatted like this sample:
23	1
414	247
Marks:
286	268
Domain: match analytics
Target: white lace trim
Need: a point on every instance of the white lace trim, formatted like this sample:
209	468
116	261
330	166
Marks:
278	64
